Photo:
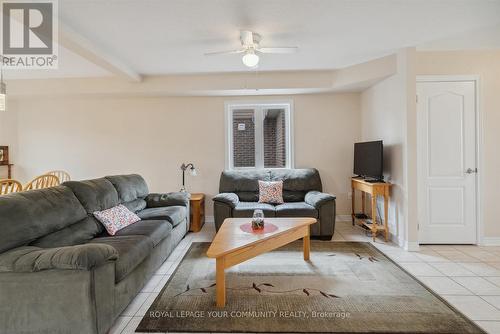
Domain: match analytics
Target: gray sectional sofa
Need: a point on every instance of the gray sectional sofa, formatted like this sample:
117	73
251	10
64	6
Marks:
60	272
302	193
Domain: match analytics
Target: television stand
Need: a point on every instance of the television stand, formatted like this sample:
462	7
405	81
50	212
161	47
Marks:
373	181
375	189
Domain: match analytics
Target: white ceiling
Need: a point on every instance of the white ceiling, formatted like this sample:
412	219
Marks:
483	38
71	65
155	37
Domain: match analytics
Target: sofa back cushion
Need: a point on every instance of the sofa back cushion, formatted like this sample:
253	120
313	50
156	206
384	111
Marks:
29	215
80	232
94	195
296	182
136	205
129	187
243	183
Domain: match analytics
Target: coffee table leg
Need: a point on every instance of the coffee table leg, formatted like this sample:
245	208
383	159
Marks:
307	246
220	279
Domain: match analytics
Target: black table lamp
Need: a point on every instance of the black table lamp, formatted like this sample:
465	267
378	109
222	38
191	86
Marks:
192	171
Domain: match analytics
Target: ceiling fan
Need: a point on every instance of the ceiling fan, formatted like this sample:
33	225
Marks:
250	47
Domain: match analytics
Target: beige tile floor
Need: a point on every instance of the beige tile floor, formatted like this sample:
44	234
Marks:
468	277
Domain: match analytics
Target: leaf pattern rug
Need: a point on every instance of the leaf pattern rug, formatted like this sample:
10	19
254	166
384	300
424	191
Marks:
346	287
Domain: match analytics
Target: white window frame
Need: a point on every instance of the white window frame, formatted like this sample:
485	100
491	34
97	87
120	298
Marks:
259	131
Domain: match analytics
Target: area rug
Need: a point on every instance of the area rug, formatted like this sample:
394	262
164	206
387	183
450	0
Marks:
346	287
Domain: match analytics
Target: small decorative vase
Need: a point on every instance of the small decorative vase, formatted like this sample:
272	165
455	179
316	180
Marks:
258	220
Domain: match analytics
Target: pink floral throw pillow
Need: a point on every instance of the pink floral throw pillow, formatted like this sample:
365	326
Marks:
116	218
271	192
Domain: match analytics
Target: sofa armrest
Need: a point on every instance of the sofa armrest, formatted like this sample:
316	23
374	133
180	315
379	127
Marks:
78	257
168	199
230	199
317	199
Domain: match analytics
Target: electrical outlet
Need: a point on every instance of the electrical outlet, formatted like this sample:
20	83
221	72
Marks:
349	195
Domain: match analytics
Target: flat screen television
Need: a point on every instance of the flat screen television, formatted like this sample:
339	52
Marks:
369	159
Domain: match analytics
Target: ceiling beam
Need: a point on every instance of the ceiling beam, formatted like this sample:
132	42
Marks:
82	46
354	78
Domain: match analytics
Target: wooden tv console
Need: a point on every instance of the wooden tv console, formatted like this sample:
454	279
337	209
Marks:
374	189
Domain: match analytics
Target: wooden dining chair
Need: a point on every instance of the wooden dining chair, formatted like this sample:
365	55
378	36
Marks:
63	176
42	181
8	186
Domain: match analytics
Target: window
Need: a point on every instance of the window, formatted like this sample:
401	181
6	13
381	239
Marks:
258	135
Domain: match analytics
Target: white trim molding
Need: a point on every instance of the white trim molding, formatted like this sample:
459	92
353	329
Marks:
411	246
343	218
490	241
258	108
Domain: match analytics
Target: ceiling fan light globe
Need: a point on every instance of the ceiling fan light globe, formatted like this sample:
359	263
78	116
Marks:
250	59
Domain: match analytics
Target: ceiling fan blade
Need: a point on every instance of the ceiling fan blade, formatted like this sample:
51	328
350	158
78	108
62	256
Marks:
246	37
288	49
224	52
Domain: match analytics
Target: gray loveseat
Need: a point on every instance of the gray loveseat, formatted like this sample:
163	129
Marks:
60	272
302	194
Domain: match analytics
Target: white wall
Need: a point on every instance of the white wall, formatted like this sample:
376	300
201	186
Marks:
8	133
92	137
382	119
387	114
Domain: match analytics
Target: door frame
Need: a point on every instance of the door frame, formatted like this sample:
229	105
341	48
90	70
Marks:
479	145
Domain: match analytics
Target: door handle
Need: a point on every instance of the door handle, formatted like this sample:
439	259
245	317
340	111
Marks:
471	171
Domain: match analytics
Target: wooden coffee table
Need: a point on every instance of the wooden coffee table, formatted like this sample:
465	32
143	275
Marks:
232	245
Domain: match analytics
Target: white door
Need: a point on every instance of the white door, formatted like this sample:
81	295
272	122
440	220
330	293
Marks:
446	124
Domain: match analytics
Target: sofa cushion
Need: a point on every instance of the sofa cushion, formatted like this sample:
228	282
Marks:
245	209
157	230
29	215
95	195
135	205
243	183
301	179
79	233
296	209
248	196
132	250
297	182
293	196
234	181
155	200
173	214
78	257
129	187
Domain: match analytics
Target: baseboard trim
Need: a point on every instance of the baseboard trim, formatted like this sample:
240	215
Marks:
411	246
490	241
343	218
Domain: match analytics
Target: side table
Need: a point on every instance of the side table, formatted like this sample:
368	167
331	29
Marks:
197	205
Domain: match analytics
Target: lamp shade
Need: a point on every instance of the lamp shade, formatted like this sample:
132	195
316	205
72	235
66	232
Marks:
250	59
